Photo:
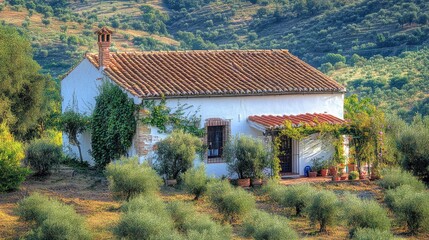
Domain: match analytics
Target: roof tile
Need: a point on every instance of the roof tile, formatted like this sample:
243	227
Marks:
226	72
271	121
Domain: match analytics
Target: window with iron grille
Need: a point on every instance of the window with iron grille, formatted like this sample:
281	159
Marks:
217	133
215	141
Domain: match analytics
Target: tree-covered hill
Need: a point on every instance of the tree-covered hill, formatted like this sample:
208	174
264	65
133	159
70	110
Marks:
396	84
329	34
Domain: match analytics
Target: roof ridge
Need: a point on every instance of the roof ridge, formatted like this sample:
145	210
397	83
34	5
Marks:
199	51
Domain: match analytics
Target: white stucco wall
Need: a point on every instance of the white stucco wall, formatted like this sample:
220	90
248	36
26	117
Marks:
78	91
80	88
238	109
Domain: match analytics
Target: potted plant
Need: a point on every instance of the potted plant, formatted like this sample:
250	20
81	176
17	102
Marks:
353	175
351	165
312	174
246	157
336	177
320	166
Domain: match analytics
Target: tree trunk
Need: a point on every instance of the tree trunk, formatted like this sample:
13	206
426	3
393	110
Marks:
80	152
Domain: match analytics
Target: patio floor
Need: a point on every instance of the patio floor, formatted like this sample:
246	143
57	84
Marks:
290	181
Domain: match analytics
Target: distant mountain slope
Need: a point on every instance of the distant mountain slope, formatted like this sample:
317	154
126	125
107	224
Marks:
309	29
396	84
329	34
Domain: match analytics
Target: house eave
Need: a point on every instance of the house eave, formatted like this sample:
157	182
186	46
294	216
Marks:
238	95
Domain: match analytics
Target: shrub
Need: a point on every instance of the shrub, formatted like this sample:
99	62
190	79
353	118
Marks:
410	206
264	226
11	154
53	219
195	181
42	155
232	202
145	217
365	214
196	225
297	196
176	153
396	177
324	209
353	175
372	234
246	156
393	196
274	190
143	225
127	178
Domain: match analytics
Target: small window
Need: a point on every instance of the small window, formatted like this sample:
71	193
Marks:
108	37
215	140
103	38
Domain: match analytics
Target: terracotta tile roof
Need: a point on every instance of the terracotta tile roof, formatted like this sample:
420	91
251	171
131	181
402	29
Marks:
228	72
270	121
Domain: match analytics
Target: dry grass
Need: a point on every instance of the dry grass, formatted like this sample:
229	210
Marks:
88	193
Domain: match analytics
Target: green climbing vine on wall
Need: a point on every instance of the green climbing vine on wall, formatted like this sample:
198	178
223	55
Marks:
161	116
113	124
330	132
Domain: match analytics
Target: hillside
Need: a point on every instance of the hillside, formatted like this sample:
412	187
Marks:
396	84
330	34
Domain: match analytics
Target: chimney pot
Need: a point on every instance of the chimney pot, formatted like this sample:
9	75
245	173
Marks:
104	47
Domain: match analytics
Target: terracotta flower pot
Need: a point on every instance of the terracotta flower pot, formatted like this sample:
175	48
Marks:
336	178
171	182
324	172
344	177
312	174
362	176
243	182
256	182
352	167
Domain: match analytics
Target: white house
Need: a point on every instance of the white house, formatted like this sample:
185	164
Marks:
236	91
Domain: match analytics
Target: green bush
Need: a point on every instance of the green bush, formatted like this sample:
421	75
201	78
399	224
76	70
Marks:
411	207
353	175
274	190
195	181
396	177
394	196
372	234
42	155
176	153
127	178
145	217
52	219
246	156
196	225
324	209
143	225
11	154
297	196
264	226
232	202
364	214
145	203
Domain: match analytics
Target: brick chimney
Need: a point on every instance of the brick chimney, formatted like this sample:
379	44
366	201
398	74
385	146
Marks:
104	38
